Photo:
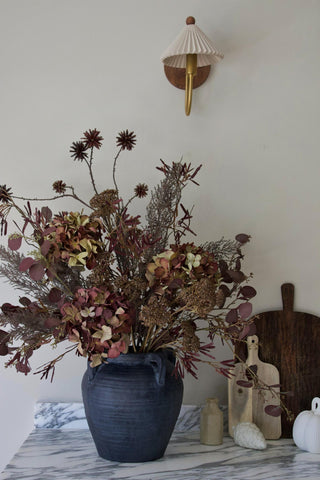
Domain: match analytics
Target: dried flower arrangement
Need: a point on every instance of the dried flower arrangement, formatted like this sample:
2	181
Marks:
110	284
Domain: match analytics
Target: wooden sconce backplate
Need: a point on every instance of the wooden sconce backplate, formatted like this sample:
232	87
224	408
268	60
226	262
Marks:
177	76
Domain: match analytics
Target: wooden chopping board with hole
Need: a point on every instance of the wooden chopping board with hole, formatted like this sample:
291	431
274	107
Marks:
291	341
248	404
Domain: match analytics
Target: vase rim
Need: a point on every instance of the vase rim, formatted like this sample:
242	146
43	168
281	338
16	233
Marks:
134	357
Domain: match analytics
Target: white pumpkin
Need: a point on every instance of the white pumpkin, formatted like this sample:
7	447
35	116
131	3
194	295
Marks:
306	428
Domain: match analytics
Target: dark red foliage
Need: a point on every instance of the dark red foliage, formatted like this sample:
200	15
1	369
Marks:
273	410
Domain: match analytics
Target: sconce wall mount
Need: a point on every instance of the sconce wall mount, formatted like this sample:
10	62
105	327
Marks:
188	60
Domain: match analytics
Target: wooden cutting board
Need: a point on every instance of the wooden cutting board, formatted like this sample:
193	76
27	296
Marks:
248	404
291	341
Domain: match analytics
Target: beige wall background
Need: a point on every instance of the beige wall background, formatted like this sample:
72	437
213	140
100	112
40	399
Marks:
71	65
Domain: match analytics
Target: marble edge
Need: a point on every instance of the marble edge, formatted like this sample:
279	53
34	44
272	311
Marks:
71	415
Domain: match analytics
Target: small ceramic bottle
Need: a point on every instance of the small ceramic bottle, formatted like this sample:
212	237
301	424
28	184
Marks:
211	423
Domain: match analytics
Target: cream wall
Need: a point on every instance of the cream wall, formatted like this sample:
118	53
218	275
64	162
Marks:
70	65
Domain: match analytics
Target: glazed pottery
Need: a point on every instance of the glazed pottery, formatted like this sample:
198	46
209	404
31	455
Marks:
132	404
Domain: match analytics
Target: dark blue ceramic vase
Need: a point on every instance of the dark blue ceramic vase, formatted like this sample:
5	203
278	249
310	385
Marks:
132	404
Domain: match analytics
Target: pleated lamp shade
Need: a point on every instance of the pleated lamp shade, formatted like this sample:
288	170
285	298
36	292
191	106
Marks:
191	40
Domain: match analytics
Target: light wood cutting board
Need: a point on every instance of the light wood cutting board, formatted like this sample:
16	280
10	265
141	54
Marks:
248	404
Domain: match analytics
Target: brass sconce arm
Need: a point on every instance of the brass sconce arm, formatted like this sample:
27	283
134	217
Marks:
191	71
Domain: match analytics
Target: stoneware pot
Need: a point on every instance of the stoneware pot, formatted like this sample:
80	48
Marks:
132	404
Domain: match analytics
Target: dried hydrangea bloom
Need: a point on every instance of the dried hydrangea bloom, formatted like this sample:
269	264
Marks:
190	341
133	289
103	203
199	298
155	313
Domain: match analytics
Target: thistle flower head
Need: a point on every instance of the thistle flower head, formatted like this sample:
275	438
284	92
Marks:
126	140
92	139
78	151
59	186
141	190
5	194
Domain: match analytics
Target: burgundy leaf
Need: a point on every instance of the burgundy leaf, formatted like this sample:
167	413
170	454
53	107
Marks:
7	308
247	291
252	329
49	230
45	247
244	383
14	243
4	337
245	310
23	367
24	301
245	332
223	266
236	276
52	322
36	271
225	290
273	410
4	350
243	238
232	316
54	295
46	213
26	263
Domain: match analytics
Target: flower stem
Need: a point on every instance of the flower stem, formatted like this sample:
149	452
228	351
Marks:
114	170
90	171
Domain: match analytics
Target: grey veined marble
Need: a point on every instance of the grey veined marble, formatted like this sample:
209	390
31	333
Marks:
51	454
71	415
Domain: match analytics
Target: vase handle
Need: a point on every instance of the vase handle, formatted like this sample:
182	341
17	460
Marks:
158	363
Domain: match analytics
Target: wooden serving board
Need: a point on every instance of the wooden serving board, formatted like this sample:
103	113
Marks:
291	341
248	404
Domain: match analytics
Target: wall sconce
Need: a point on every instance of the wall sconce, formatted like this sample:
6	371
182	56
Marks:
188	59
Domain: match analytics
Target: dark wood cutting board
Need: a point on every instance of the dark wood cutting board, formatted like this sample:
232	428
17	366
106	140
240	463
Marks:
291	341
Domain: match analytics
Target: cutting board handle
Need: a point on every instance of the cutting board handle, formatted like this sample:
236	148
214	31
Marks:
287	292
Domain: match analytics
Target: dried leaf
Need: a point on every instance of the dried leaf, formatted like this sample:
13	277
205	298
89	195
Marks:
26	264
273	410
232	316
36	271
244	383
243	238
55	295
14	242
245	310
247	292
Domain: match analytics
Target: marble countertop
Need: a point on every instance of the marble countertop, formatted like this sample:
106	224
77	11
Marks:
49	454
